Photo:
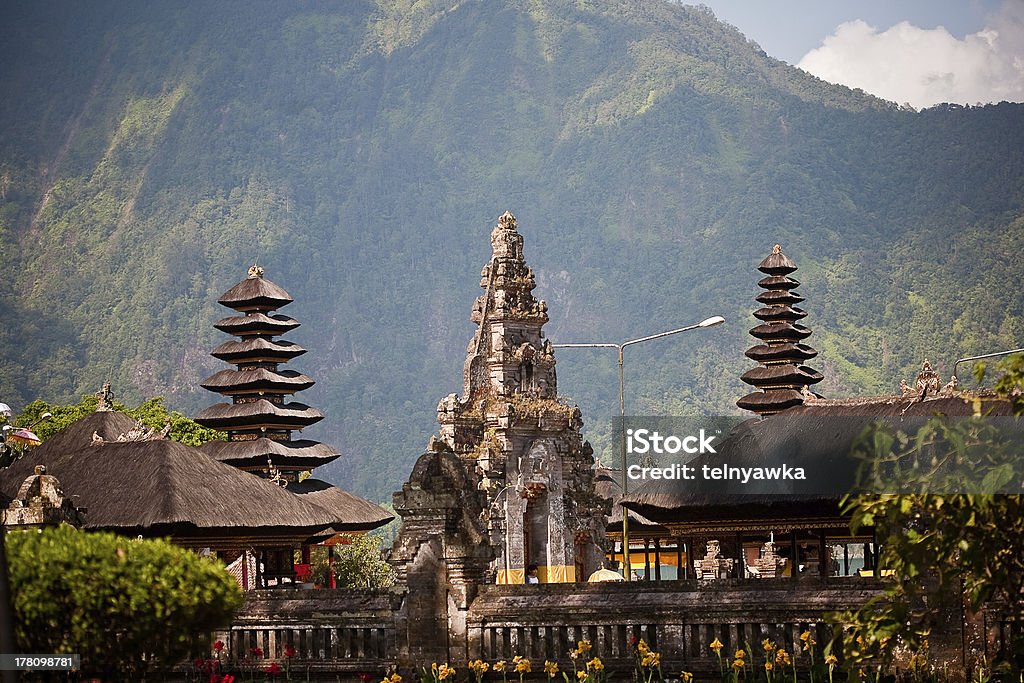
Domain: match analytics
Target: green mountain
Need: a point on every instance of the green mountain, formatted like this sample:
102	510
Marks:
362	151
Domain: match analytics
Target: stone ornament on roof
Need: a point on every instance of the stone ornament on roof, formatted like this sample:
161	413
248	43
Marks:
106	399
41	502
927	384
255	271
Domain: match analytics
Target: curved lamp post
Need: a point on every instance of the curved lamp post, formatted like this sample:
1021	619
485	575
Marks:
620	347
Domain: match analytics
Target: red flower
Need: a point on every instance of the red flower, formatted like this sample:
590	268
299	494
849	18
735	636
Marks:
633	641
289	651
257	652
273	669
198	662
365	677
228	678
218	646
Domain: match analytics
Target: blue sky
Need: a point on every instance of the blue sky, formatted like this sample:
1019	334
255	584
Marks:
916	51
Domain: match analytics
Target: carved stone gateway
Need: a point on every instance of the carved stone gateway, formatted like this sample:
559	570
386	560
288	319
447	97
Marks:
519	443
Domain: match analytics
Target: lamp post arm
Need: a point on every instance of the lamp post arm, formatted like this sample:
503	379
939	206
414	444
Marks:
659	335
983	356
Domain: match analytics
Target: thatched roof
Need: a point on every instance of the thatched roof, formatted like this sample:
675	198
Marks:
164	488
255	292
352	512
304	453
818	435
256	323
254	349
108	424
259	413
257	379
606	485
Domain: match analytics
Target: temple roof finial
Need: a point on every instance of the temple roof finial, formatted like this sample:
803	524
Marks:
507	221
105	404
255	271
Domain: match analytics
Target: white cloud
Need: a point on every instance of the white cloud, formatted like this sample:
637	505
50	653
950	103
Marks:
907	64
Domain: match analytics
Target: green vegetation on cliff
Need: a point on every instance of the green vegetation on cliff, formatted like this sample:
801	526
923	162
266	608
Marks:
149	153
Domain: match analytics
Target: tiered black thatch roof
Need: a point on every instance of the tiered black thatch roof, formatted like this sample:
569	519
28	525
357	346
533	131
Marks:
259	420
782	378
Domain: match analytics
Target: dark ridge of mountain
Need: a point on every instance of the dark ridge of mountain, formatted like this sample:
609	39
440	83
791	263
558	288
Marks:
149	153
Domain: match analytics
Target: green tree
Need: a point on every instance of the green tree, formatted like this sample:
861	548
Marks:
124	605
358	563
951	536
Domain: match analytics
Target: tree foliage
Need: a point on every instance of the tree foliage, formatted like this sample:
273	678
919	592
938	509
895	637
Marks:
947	537
123	605
358	563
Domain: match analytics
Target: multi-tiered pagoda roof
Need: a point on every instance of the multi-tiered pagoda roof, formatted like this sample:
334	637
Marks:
261	415
781	378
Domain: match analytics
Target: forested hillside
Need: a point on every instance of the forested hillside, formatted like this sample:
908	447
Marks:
362	151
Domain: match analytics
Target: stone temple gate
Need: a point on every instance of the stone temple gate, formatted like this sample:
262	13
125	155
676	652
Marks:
519	443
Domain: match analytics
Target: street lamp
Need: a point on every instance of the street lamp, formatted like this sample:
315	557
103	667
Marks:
707	322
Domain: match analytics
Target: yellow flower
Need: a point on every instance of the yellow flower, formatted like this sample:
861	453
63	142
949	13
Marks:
478	666
523	666
642	647
651	660
717	646
583	647
782	658
768	666
445	672
686	677
740	654
738	664
768	645
550	668
499	666
574	654
809	642
581	675
831	660
595	664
